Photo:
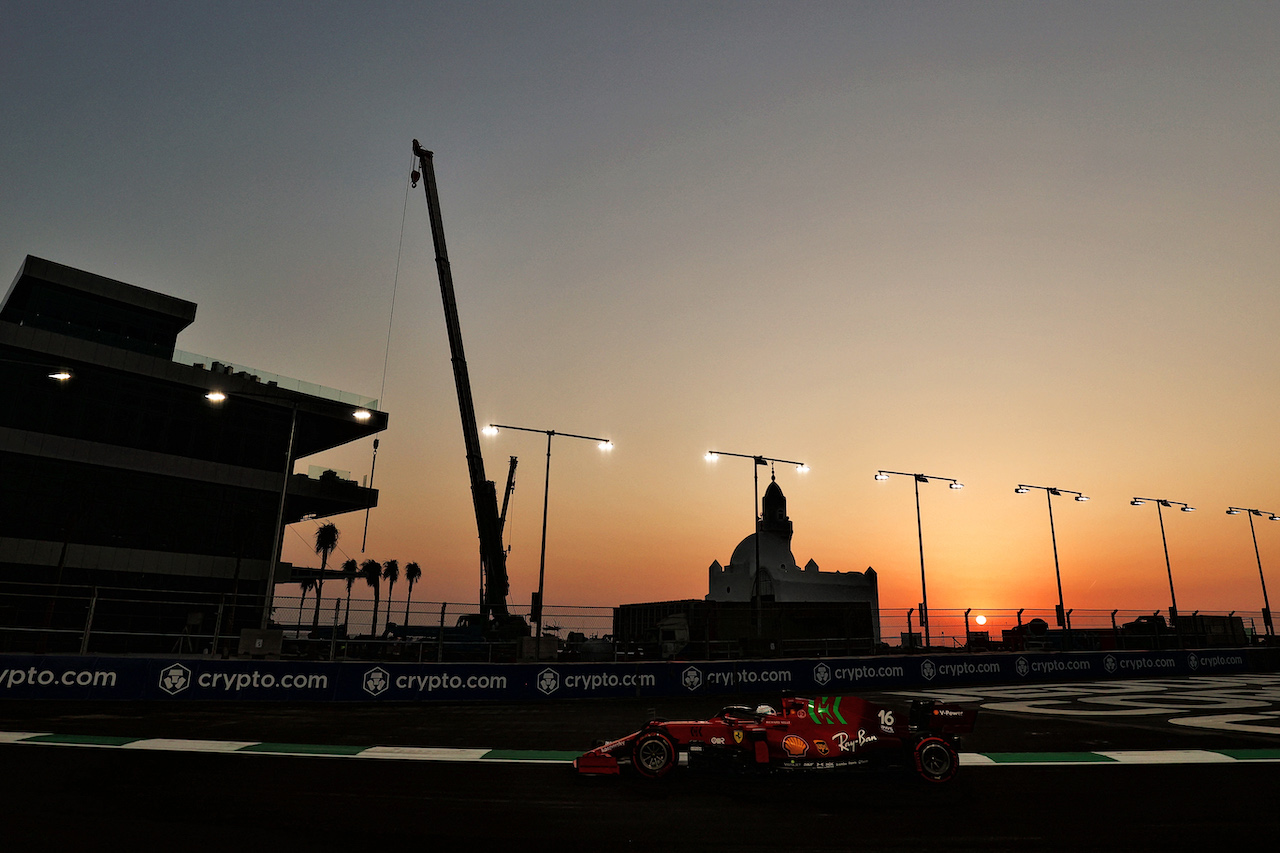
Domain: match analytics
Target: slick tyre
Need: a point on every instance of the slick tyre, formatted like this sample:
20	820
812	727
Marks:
935	759
653	755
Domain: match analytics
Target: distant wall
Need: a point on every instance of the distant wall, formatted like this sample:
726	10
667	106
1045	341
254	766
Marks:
195	678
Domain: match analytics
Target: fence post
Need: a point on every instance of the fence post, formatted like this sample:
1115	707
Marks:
333	637
88	623
440	636
217	624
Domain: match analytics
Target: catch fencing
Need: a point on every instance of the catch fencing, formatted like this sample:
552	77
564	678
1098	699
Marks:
66	619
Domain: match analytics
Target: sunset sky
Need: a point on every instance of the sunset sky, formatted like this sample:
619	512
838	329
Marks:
999	242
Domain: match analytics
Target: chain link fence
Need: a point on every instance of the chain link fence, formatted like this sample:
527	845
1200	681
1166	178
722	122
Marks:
68	619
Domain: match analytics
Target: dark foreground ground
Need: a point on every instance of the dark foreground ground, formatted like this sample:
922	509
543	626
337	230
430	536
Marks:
64	798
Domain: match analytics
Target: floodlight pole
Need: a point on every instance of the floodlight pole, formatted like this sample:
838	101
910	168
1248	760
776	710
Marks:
1266	605
1049	492
756	515
1161	503
604	444
924	590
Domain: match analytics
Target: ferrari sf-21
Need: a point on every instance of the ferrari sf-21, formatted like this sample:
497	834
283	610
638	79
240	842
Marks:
827	733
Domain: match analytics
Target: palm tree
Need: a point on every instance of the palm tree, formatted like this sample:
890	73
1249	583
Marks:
306	584
350	571
371	571
390	574
326	541
412	572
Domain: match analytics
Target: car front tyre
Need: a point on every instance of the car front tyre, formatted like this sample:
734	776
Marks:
653	755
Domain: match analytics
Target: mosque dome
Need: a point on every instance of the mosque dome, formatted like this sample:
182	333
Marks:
775	553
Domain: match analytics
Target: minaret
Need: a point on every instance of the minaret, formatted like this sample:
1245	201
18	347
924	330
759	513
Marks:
773	513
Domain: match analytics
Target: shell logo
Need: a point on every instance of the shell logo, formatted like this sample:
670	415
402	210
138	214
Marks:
795	746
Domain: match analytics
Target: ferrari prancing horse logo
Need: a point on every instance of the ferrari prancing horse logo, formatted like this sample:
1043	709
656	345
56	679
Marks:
737	735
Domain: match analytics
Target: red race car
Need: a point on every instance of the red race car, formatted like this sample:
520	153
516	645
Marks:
828	733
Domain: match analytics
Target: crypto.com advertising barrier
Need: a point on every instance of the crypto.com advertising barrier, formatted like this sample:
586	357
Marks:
186	678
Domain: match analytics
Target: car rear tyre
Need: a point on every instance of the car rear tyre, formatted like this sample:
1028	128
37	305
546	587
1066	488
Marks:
936	760
653	755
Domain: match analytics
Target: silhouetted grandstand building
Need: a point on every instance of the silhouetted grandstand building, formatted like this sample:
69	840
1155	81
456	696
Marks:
125	484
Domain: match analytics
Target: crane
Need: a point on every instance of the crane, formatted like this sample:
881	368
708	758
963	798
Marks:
498	620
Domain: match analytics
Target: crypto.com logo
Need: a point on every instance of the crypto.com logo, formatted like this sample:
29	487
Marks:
376	681
548	681
691	678
174	679
821	673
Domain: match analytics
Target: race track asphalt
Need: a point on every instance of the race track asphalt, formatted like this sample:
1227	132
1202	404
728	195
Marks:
65	797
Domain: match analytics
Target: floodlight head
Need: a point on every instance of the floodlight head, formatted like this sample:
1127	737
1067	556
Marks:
1274	517
802	468
957	486
605	445
1233	511
1136	502
1188	509
1082	498
490	430
711	457
362	415
882	476
1021	490
215	396
60	375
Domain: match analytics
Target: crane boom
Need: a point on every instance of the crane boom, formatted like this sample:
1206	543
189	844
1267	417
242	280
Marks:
493	558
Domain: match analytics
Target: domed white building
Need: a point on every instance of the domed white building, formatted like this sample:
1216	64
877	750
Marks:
780	578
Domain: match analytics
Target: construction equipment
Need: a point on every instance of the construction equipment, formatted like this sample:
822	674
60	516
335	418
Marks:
506	496
493	558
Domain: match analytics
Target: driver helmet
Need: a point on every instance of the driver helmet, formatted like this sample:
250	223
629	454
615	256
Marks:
766	710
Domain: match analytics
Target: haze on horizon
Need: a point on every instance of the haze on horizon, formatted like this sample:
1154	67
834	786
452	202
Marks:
1006	243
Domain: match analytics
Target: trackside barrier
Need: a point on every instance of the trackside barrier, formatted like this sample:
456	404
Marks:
195	678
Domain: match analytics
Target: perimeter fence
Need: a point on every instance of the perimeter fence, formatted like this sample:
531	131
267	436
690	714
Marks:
44	618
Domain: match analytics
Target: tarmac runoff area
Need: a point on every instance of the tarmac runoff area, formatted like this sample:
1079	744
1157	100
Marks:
1193	761
1205	720
561	757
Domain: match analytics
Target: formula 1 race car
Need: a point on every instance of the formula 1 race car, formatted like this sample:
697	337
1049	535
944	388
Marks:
828	733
